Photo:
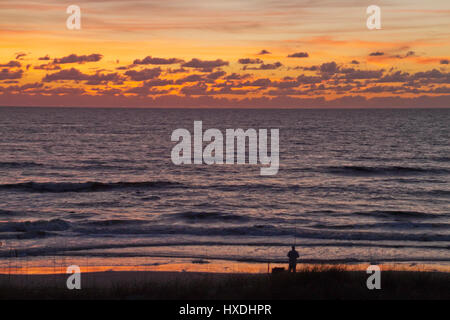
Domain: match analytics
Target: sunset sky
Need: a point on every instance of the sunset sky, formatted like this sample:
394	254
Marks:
227	53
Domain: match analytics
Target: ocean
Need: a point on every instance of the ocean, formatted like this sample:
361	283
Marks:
98	186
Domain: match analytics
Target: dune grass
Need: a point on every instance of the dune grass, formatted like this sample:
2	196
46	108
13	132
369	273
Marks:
308	283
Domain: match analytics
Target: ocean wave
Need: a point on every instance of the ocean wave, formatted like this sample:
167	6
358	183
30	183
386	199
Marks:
403	225
398	214
261	230
114	222
8	213
98	167
35	226
18	164
75	249
436	193
56	187
253	187
383	170
241	226
206	216
441	159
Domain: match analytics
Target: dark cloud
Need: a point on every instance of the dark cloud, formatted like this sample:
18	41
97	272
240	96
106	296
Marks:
264	51
68	74
11	64
397	76
264	82
76	75
302	79
376	54
264	66
216	75
354	62
381	89
311	68
440	90
198	89
6	74
48	67
250	61
417	79
38	88
179	70
73	58
430	74
329	68
406	55
103	78
20	55
44	58
143	74
299	55
64	91
146	90
190	78
158	61
352	74
206	66
230	90
22	88
270	66
285	92
158	83
434	76
235	76
286	84
444	61
108	91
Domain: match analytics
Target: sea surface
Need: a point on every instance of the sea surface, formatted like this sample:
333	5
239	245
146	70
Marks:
354	186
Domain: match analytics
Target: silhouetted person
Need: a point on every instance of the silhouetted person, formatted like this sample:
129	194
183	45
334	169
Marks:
293	256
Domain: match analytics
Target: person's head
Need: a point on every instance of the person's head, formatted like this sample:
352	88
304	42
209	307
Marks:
293	247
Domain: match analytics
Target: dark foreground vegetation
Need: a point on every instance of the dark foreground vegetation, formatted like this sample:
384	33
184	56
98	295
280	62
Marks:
312	283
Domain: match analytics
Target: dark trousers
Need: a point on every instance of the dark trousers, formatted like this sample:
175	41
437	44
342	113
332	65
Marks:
292	266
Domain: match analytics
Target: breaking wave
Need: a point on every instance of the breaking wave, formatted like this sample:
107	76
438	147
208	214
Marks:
56	187
13	164
383	170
